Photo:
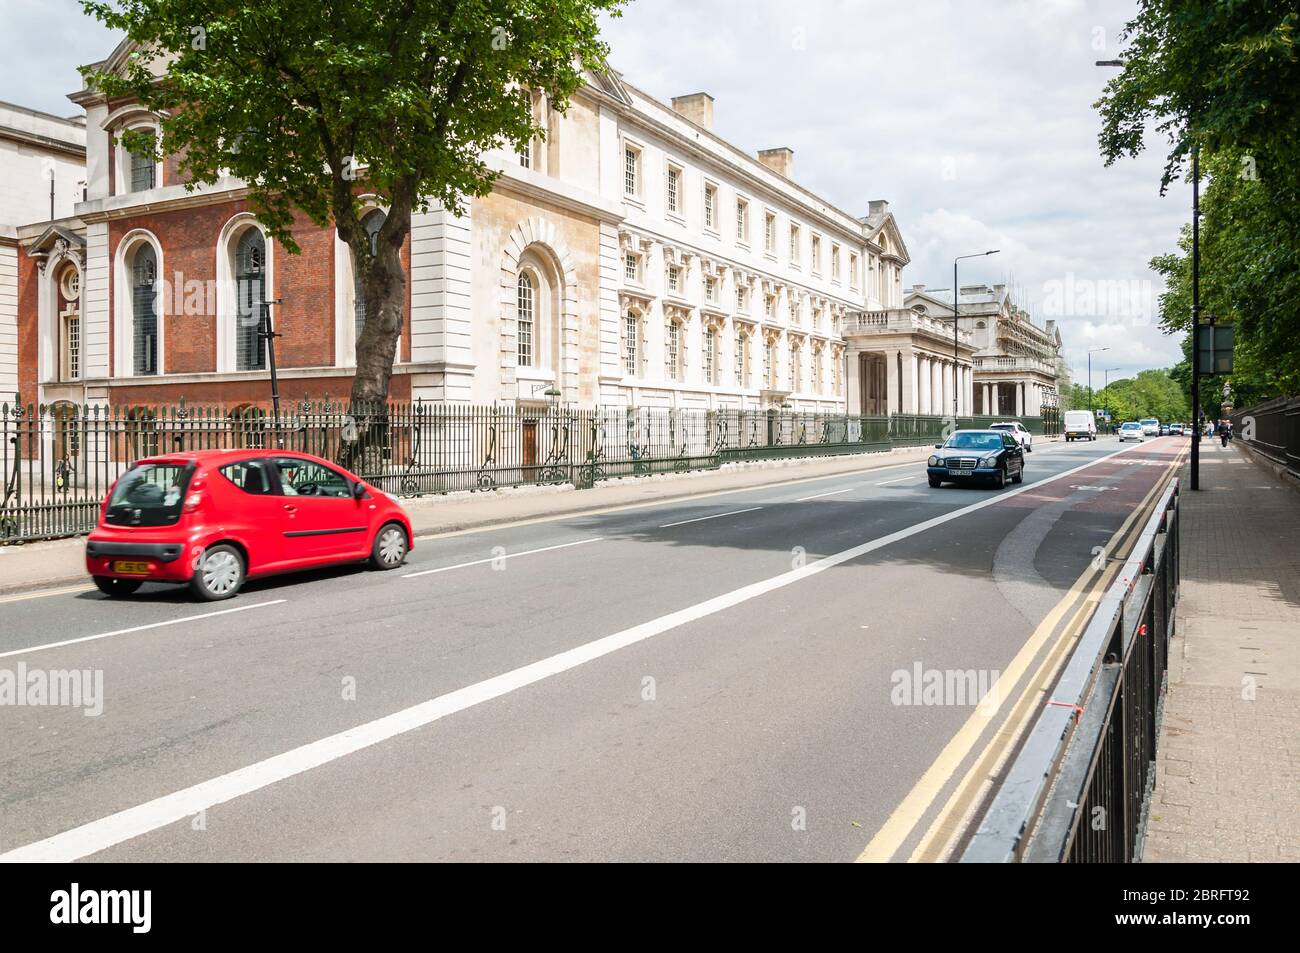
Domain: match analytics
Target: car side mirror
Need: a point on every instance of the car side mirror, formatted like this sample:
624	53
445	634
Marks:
358	490
938	446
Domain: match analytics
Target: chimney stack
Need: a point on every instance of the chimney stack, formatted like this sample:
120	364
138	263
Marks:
877	207
780	161
697	107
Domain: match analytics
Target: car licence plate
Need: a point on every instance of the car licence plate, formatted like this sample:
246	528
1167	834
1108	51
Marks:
130	567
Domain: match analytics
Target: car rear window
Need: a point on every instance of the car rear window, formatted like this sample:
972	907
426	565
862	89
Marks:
149	494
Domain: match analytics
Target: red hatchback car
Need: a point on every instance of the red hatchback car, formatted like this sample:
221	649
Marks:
213	518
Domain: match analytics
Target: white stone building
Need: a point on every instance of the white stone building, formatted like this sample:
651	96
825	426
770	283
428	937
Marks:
1015	362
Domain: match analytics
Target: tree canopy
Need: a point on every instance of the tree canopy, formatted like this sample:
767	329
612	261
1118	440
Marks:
1224	78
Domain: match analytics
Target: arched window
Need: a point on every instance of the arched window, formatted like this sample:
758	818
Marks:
372	222
527	305
250	285
69	327
144	311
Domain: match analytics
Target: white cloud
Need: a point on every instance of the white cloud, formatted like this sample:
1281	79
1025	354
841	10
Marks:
974	119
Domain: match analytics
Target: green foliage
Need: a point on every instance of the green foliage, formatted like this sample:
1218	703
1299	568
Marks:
1153	393
1224	77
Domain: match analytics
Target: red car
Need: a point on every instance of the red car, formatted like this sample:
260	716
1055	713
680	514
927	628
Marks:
213	518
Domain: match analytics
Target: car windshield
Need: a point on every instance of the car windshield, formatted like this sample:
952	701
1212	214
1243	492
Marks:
149	494
1129	427
1003	427
974	441
1148	422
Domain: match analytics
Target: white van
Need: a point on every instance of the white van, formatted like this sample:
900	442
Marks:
1080	425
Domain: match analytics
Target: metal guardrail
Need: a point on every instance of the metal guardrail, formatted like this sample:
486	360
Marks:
1272	429
1080	786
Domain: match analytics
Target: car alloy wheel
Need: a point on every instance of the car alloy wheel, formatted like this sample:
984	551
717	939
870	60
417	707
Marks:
390	547
219	574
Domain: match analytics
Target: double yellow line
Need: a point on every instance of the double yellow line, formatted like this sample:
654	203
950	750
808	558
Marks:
949	823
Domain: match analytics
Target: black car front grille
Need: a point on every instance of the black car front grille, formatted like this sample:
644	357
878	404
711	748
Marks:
961	463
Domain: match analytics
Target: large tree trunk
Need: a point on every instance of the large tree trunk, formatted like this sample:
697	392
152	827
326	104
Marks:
383	281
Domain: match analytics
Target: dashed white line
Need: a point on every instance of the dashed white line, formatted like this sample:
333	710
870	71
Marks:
899	480
140	628
713	517
818	496
501	558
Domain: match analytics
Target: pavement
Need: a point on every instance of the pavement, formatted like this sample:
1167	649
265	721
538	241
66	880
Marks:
1228	762
820	669
60	562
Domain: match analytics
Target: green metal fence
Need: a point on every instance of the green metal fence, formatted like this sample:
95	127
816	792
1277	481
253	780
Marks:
58	462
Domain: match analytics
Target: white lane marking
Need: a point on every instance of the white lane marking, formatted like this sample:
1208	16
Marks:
140	628
95	836
713	517
899	480
818	496
670	501
502	557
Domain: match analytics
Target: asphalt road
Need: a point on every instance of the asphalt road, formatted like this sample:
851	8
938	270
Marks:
707	679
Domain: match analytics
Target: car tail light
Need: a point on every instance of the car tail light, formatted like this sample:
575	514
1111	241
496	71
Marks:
193	501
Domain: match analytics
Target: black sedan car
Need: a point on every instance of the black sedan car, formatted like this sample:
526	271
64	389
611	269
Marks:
969	455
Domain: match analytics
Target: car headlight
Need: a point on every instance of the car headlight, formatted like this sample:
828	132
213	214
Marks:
935	461
990	461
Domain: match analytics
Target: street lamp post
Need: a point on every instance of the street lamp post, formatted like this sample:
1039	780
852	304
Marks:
1091	351
1105	382
268	334
1196	297
956	299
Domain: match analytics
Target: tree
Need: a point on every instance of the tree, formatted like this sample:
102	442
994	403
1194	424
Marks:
315	104
1223	78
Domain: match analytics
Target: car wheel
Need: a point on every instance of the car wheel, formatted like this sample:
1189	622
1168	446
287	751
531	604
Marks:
935	481
1000	478
219	573
1020	475
390	547
114	588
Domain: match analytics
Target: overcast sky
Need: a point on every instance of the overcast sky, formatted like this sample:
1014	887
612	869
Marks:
973	118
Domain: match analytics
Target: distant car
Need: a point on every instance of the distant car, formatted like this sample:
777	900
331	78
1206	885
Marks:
1165	430
969	455
1017	430
1079	425
1150	426
1176	430
1131	431
214	518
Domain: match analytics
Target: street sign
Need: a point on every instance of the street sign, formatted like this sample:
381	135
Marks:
1214	348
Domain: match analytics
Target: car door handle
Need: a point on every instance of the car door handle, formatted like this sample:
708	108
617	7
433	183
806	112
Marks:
290	508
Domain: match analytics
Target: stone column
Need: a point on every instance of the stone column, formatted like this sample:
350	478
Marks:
909	382
923	384
852	383
892	379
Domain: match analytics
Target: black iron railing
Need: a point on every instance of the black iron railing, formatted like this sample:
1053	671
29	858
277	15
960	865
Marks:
1080	786
1273	430
58	462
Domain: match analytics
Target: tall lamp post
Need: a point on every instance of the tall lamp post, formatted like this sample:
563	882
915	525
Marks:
956	299
1091	351
1105	382
1196	299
